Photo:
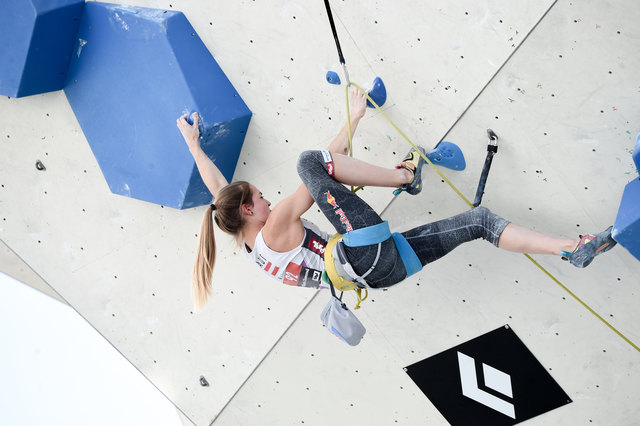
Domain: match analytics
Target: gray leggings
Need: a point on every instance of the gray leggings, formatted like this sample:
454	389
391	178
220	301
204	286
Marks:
346	212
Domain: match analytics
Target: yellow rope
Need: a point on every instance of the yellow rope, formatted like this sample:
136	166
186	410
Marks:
582	303
415	147
472	206
350	134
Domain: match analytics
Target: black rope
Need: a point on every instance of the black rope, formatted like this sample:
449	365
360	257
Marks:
333	29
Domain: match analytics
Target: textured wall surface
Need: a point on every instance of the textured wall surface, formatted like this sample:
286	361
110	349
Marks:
566	107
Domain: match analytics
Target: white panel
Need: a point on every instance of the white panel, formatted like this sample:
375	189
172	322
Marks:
125	265
12	265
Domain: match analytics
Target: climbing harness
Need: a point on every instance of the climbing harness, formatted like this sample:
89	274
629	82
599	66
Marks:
337	266
444	178
332	277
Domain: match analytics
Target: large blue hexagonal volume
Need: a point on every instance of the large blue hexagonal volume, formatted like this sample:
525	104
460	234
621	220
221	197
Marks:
133	72
36	38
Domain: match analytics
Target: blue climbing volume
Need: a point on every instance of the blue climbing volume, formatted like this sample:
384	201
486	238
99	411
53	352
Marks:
134	71
36	41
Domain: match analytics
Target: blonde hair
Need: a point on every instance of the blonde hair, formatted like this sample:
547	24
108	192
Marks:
229	218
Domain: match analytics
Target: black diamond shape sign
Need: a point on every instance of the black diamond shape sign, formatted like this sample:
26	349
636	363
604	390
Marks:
490	380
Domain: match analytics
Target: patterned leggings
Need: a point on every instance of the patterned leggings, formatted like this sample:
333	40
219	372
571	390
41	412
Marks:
346	212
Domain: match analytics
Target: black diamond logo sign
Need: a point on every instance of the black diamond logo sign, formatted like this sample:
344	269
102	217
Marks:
490	380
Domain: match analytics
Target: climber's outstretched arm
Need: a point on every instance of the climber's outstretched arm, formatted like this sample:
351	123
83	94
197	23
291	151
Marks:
211	175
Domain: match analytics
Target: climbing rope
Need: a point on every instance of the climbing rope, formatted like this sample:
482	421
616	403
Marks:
435	168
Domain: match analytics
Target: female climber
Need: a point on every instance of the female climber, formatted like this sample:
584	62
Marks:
291	249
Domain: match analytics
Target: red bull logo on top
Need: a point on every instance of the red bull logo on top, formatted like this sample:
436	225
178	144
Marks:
331	200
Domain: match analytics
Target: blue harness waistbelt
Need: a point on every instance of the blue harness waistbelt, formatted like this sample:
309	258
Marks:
376	234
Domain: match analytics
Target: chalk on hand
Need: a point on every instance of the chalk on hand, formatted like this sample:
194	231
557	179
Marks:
191	120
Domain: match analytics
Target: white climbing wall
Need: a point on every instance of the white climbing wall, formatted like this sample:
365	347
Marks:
566	107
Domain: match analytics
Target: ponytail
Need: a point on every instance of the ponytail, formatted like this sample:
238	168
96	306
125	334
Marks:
229	218
205	260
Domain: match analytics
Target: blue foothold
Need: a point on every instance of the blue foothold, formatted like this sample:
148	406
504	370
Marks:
449	155
378	93
332	77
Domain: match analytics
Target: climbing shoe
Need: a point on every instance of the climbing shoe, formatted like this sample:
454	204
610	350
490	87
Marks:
413	162
589	247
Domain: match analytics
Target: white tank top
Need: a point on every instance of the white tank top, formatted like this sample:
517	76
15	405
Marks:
301	266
